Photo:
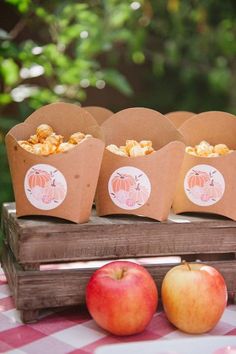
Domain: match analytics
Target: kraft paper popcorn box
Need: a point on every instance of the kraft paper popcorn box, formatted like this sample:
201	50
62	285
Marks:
179	117
99	113
62	184
207	184
141	185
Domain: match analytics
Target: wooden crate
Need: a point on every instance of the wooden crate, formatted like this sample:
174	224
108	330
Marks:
34	244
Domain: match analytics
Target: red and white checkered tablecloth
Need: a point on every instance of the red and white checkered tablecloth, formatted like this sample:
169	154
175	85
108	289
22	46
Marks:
72	330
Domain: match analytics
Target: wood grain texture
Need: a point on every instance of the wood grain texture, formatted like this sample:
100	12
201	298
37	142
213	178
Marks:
43	240
35	290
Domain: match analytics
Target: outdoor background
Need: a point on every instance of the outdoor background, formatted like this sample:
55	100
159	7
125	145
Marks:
167	55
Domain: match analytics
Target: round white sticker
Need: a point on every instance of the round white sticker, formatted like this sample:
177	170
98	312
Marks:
45	186
129	188
204	185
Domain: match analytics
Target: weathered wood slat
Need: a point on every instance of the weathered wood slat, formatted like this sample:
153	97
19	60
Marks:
57	288
39	240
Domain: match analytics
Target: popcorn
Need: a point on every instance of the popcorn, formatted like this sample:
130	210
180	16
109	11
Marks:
145	143
213	154
65	147
130	144
123	149
221	149
25	145
191	150
148	150
44	149
33	139
76	138
204	149
113	148
132	148
136	151
46	142
54	139
43	131
87	136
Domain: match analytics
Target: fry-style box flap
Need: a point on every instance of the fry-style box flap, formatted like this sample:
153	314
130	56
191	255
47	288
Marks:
139	124
179	117
142	185
214	126
21	131
61	184
64	118
99	113
54	114
206	184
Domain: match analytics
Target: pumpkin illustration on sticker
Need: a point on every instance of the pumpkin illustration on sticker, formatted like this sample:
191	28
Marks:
122	182
45	186
129	188
204	185
38	177
198	178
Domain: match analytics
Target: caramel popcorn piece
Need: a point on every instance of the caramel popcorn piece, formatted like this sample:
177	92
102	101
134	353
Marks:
48	148
76	138
129	144
146	143
33	139
54	139
25	145
204	148
123	149
44	149
43	131
148	150
136	151
191	150
221	149
65	147
37	149
115	150
87	136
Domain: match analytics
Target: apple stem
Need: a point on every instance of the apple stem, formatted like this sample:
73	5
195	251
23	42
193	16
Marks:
120	274
187	264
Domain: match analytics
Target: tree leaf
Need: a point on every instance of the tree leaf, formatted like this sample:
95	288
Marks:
117	80
4	34
22	5
10	72
5	98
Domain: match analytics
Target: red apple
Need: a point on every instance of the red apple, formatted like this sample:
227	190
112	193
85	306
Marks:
194	297
122	297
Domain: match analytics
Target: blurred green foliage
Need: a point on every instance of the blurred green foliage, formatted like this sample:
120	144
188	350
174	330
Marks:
185	50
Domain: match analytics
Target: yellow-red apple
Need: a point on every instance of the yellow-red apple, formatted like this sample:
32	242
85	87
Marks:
194	297
122	297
